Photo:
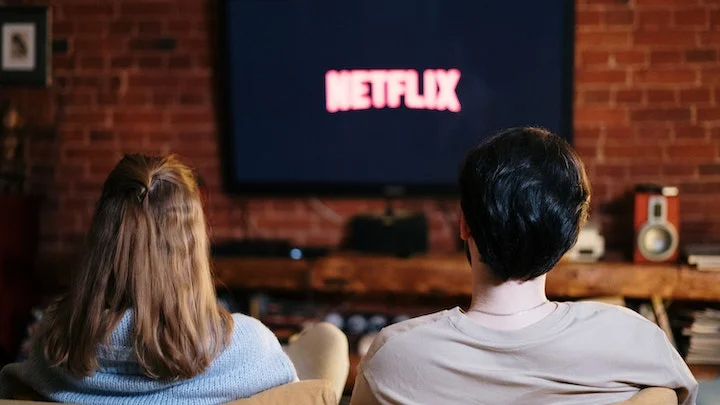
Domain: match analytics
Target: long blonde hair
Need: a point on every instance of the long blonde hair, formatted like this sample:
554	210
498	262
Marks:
147	252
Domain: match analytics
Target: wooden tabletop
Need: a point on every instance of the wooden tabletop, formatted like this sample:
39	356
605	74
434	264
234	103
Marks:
450	275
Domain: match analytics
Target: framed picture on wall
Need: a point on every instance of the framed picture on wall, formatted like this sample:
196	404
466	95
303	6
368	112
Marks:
25	46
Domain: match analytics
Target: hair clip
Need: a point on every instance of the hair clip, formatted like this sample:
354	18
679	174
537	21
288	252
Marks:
141	194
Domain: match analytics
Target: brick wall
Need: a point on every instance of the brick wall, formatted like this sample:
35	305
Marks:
134	75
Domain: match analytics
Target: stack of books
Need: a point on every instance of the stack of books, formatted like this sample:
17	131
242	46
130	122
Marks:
705	257
701	330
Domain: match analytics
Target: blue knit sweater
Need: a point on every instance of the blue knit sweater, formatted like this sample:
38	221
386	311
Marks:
253	362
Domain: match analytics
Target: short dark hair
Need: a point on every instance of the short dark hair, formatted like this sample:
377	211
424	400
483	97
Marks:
524	195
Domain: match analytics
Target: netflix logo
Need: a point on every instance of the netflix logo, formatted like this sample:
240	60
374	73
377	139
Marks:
347	90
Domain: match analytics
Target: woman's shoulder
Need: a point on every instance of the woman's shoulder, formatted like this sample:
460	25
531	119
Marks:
248	331
253	347
244	324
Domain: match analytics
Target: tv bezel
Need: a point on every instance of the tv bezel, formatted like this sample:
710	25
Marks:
225	122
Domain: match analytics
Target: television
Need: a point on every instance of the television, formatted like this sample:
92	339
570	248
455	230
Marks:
383	98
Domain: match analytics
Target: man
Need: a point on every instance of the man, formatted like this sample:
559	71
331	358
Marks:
524	198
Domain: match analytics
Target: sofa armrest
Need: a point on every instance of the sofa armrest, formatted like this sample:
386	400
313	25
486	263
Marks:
308	392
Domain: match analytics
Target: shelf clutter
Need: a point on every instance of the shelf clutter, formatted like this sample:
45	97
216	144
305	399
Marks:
448	275
700	336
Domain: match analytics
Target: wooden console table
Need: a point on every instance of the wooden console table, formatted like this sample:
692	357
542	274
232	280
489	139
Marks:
450	276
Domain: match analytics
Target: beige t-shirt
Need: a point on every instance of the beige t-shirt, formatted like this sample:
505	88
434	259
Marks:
582	353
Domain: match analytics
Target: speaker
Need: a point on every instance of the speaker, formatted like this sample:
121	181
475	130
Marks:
657	220
395	234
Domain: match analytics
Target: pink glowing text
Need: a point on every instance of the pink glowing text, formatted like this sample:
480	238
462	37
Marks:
347	90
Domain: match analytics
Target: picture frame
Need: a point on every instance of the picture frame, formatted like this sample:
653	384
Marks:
25	49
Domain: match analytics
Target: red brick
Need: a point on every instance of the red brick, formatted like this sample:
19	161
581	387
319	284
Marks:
691	17
78	98
617	133
596	96
709	169
644	170
708	114
701	55
164	98
586	17
665	57
94	28
630	57
101	135
121	62
664	76
178	26
710	38
63	62
194	116
714	18
664	38
680	170
613	171
653	131
602	76
660	96
643	152
695	95
107	98
595	39
660	114
628	96
193	99
121	27
139	117
653	17
63	28
710	75
689	132
664	2
150	62
715	133
153	81
86	117
582	134
192	8
137	98
89	153
603	115
72	135
701	151
147	8
84	10
619	17
91	63
179	62
150	27
586	152
605	2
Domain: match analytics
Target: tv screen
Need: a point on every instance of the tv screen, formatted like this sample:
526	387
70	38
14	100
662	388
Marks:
379	97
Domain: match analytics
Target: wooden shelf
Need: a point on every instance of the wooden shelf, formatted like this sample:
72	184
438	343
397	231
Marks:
450	276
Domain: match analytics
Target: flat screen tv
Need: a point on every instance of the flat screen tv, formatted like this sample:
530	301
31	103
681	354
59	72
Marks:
383	97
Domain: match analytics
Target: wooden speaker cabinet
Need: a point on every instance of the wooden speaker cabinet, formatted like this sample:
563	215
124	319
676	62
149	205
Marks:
18	247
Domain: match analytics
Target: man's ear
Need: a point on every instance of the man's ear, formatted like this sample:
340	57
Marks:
464	228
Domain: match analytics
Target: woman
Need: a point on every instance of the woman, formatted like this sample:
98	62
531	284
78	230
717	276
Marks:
141	322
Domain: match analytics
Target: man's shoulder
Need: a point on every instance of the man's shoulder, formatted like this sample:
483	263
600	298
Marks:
403	328
619	317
